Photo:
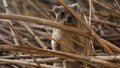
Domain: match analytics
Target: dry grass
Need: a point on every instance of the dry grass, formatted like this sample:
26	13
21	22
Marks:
26	28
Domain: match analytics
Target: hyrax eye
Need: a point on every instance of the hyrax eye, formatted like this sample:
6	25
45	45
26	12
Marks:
62	14
69	18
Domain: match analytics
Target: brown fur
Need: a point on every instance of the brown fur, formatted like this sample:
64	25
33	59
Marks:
65	18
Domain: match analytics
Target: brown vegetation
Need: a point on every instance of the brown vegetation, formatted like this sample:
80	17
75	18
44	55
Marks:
26	28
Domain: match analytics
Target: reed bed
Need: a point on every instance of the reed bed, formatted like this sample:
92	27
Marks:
26	29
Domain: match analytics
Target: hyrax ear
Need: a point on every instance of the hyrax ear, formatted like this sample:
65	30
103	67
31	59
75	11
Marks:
56	9
75	7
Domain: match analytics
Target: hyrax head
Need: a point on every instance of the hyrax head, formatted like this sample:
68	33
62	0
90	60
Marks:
64	17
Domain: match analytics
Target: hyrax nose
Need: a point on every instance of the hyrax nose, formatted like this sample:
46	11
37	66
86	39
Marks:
68	19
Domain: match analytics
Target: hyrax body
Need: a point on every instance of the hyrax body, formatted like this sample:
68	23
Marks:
65	18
